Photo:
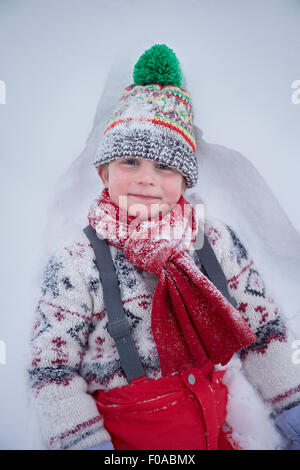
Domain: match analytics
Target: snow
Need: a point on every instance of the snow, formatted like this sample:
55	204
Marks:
255	430
55	58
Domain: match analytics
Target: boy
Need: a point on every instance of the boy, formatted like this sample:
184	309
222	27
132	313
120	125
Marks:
180	323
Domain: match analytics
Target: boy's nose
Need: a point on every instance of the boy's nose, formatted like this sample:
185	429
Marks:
145	177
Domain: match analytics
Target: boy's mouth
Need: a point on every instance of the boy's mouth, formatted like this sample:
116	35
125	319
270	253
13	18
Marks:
141	196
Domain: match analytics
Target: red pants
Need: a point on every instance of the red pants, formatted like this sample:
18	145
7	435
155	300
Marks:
181	412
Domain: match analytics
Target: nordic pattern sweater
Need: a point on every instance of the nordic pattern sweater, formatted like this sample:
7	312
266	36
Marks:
72	353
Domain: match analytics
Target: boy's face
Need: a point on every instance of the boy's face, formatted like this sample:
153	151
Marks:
129	179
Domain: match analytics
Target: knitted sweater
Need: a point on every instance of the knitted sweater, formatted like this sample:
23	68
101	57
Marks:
72	353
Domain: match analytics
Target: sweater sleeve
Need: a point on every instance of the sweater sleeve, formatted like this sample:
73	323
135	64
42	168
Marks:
68	414
267	362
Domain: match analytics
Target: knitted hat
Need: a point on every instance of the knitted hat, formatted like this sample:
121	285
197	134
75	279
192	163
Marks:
153	118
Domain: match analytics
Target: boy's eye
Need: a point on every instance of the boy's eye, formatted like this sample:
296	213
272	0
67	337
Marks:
165	167
133	162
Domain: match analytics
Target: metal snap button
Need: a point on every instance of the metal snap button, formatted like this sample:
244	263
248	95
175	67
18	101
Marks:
191	379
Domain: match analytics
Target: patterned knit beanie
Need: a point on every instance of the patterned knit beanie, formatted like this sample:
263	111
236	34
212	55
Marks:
153	118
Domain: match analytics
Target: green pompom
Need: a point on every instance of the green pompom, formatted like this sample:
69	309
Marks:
158	64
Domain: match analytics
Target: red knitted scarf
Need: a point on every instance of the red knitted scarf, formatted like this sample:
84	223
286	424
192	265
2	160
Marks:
191	320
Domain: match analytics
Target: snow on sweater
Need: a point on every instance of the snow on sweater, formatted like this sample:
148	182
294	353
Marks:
72	353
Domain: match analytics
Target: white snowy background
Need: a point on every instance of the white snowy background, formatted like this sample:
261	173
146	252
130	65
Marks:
239	59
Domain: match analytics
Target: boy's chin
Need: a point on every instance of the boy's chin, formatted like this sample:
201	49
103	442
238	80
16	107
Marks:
147	214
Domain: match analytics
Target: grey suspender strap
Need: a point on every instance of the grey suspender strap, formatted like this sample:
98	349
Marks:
118	326
213	269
